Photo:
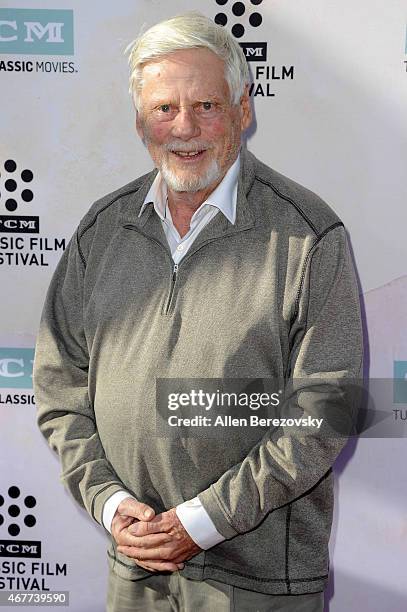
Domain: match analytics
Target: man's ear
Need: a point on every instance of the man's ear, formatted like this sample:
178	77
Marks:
139	126
245	109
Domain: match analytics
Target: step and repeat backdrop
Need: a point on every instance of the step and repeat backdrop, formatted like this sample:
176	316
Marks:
329	91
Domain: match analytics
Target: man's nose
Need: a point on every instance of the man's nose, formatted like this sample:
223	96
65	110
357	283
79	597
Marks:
186	125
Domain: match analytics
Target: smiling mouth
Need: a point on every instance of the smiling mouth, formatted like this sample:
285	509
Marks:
190	155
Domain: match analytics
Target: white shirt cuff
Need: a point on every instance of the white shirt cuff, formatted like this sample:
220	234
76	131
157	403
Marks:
110	507
198	524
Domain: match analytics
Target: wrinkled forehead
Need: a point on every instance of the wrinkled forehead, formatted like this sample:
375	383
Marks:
185	72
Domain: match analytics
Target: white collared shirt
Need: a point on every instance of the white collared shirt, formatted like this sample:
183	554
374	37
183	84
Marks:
191	513
223	199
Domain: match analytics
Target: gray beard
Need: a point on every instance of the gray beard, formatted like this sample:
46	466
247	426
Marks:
194	183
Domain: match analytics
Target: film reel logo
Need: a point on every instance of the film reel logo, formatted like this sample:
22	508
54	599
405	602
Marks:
15	192
239	9
15	510
12	186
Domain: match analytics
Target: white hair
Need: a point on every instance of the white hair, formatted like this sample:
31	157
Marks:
188	31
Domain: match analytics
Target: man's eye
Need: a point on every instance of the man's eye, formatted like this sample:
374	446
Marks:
164	108
207	106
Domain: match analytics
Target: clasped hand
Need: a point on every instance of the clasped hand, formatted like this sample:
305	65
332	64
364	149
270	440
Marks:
156	542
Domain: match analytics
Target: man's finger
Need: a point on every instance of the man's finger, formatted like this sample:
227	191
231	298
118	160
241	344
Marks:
160	566
122	521
160	553
144	528
146	542
119	525
132	507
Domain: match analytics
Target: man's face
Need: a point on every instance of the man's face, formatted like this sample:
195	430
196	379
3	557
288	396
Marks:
186	118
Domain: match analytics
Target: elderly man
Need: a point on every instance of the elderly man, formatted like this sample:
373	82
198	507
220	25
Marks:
211	266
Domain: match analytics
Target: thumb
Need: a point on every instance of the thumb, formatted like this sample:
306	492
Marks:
132	507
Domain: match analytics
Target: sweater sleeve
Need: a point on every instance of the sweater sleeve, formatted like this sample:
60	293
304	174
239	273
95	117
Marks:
65	414
324	365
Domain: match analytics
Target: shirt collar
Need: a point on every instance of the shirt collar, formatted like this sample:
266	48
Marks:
224	197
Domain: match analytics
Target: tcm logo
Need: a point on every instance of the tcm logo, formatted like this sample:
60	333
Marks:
10	548
18	225
36	31
255	52
400	382
16	365
16	189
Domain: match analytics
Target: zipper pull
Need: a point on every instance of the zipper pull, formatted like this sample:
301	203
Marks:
174	272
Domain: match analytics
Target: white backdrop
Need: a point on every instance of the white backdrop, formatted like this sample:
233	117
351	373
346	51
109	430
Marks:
336	123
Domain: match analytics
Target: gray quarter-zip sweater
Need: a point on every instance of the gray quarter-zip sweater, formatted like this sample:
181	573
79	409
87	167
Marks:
273	296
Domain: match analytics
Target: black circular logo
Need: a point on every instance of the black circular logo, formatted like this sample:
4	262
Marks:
14	507
13	186
239	9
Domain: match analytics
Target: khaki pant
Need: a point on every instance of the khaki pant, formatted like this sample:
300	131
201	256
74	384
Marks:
174	593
